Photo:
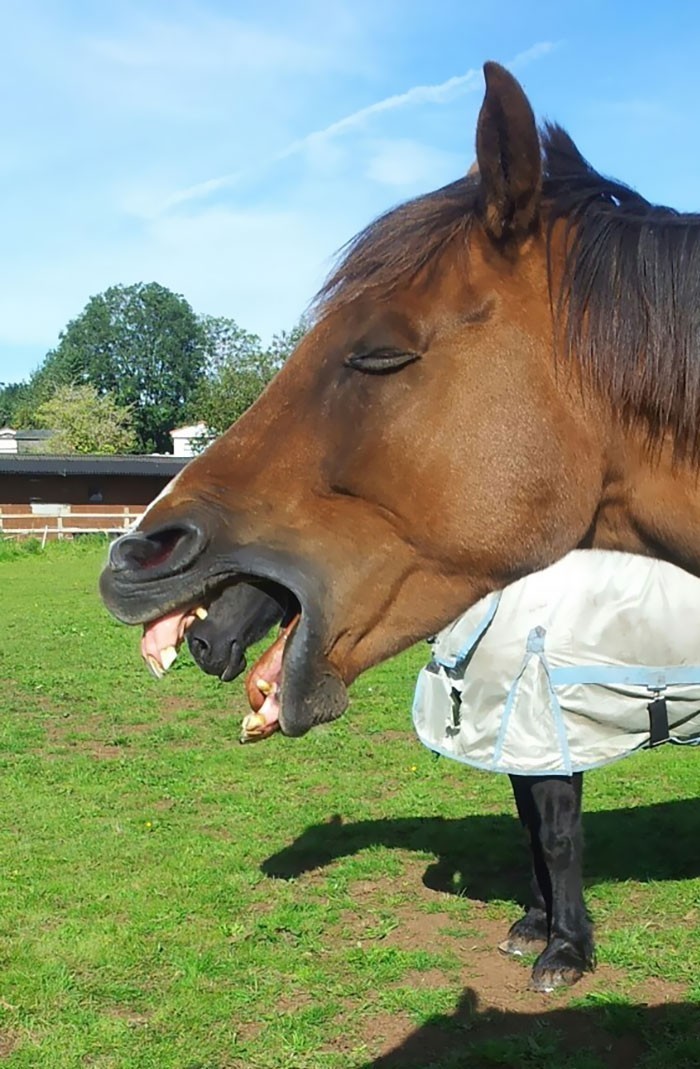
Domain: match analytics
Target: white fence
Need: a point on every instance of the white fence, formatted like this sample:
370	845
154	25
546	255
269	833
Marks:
66	521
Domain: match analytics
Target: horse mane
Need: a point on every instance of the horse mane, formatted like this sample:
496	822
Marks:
627	306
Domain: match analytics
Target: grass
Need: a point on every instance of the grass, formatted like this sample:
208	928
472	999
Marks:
172	900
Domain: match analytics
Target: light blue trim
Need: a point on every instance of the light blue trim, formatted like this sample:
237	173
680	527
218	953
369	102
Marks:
535	648
507	770
559	725
508	708
472	639
627	675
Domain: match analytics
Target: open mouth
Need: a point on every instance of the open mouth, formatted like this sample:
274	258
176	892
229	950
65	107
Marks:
163	637
175	582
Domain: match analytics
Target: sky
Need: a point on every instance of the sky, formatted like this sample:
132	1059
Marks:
227	150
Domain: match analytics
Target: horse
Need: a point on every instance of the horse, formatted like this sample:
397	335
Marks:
497	373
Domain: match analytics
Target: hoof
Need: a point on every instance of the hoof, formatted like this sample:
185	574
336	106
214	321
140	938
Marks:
560	965
526	936
517	945
548	980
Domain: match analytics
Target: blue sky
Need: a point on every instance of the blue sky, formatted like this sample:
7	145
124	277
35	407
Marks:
227	150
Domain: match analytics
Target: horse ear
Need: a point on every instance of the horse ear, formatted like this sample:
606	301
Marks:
509	158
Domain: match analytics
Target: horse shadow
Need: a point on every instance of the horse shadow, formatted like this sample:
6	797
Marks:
650	842
613	1034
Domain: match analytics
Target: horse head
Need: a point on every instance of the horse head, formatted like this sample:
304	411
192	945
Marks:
443	428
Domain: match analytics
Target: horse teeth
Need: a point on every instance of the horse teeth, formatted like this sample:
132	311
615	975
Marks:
168	656
201	612
155	668
263	686
252	727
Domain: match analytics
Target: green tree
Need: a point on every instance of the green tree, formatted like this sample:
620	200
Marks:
14	404
143	344
86	422
238	369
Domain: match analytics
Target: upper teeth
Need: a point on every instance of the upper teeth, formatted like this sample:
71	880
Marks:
154	666
168	656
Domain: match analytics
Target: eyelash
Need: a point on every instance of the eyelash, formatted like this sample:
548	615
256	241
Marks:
380	361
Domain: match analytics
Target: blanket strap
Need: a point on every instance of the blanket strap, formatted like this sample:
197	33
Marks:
658	722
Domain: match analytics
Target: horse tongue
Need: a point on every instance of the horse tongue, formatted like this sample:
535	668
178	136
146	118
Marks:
262	687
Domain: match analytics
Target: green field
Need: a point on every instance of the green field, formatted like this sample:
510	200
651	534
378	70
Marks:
171	899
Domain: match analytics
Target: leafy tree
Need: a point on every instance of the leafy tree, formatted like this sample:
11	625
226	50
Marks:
284	343
143	344
238	369
14	404
86	422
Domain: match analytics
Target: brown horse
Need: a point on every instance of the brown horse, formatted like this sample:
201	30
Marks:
499	371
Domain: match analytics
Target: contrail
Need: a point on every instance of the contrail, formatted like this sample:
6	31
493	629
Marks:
419	94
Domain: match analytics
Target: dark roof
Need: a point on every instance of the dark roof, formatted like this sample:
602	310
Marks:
35	464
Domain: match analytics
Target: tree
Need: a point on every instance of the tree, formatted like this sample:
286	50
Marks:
143	344
14	401
284	343
238	369
86	422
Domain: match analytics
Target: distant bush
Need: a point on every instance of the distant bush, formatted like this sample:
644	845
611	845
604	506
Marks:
14	548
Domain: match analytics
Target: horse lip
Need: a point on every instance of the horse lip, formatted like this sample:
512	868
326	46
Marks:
311	691
136	599
235	665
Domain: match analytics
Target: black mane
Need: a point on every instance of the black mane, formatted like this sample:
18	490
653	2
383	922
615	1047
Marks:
627	307
629	301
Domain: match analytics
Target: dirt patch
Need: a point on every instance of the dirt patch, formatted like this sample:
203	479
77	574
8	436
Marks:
131	1017
172	706
9	1042
99	737
487	1038
501	982
391	735
496	1016
104	752
424	980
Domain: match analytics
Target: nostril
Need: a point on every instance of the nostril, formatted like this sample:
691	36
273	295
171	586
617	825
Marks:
177	545
129	551
199	647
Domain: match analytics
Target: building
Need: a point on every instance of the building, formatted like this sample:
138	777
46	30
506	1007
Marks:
59	496
187	441
31	441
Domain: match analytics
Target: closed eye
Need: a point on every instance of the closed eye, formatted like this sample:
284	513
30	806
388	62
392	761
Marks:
381	361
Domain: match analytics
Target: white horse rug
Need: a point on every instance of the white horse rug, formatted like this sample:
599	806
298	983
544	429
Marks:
568	669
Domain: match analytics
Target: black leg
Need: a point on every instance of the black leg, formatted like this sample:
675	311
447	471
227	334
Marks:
557	852
530	933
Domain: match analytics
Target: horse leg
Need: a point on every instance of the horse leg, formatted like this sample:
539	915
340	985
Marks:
530	933
558	841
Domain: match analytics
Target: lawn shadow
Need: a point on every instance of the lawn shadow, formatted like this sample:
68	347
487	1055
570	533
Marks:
610	1034
486	857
